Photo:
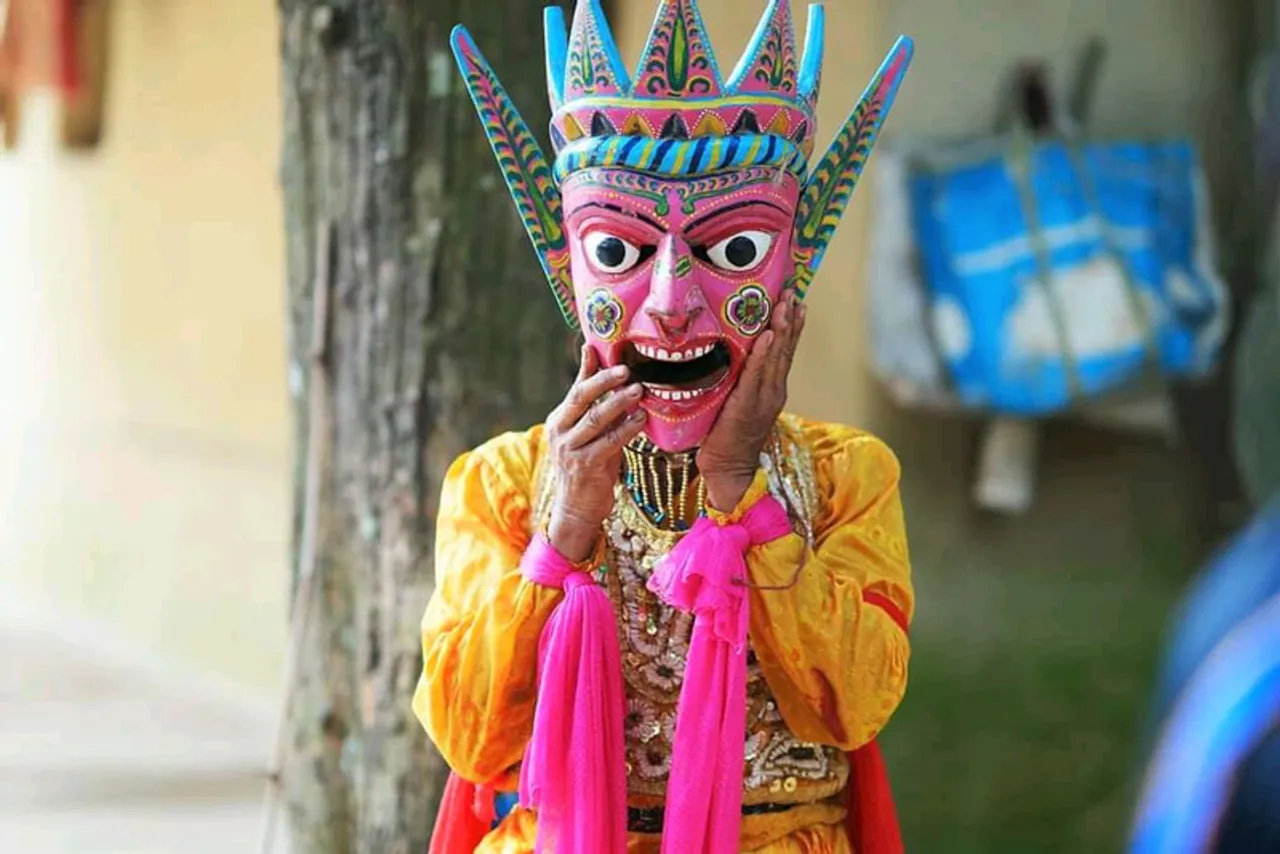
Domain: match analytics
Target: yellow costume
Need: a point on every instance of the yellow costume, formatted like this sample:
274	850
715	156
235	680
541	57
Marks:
828	644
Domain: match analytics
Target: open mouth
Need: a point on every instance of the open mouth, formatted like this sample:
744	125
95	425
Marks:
678	374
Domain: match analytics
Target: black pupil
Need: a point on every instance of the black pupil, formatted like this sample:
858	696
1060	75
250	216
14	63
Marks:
741	251
611	252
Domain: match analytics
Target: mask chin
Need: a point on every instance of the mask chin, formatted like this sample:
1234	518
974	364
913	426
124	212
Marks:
675	440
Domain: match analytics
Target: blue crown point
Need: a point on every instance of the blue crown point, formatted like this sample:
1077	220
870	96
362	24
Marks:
815	32
556	37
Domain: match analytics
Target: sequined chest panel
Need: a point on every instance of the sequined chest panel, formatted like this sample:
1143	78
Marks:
654	639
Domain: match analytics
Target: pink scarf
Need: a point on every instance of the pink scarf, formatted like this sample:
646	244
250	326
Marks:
574	772
706	574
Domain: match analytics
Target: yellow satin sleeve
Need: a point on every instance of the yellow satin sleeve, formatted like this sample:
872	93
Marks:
480	631
832	645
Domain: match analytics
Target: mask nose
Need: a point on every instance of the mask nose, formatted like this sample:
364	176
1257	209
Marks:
673	325
675	301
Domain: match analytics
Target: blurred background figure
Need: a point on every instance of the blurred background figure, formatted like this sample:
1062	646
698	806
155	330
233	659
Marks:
1213	782
154	366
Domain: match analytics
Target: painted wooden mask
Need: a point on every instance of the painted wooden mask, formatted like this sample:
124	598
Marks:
680	204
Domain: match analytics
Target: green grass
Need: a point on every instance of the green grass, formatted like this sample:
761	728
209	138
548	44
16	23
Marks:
1030	739
1035	646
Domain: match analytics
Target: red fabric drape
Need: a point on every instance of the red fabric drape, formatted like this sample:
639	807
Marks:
873	818
466	814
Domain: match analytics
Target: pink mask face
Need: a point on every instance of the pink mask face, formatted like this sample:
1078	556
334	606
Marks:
677	279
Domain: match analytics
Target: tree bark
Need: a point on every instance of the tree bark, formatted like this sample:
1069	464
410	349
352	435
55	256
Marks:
441	335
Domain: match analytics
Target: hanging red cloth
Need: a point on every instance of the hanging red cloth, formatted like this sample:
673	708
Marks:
873	819
466	815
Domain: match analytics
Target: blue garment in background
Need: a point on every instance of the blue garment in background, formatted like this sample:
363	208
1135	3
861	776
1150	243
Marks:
1215	773
1241	576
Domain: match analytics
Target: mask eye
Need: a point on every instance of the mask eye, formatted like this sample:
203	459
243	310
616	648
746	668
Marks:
741	252
610	254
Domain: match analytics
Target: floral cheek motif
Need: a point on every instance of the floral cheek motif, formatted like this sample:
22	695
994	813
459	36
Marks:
748	310
604	314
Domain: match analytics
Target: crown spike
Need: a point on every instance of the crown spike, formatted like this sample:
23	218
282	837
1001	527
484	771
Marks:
830	185
811	63
768	65
593	66
556	38
677	61
525	168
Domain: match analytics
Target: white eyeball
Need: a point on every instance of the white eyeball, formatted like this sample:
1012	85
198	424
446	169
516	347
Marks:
742	251
609	253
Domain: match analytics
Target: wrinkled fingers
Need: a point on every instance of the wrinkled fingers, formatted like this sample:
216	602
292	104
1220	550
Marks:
584	393
601	416
618	434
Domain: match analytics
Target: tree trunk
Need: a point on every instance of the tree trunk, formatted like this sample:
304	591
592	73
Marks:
441	335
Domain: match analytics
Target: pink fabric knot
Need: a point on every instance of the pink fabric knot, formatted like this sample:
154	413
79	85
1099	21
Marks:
706	574
576	580
574	770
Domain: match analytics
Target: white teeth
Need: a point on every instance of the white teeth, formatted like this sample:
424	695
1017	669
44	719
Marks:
673	394
673	356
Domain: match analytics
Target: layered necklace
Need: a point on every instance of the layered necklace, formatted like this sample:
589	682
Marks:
665	486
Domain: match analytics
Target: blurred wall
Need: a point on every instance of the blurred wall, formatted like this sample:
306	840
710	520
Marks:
143	435
1169	69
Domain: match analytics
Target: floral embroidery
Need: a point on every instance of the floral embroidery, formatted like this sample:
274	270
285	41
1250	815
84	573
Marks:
642	722
652	762
665	674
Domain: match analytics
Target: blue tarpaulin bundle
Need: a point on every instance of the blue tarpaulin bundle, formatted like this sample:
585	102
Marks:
1062	273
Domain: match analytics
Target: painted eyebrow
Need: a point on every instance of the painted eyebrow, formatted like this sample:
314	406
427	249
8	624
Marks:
750	203
618	210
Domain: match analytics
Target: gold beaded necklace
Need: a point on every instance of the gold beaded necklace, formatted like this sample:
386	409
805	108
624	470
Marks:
663	485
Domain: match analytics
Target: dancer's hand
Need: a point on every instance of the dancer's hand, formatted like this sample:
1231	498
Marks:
730	454
586	434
